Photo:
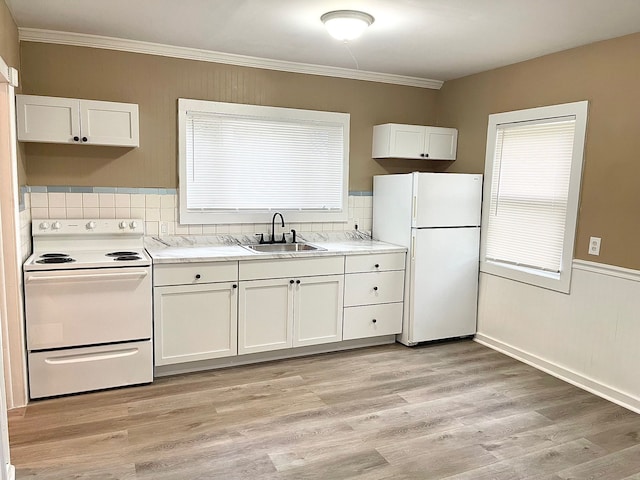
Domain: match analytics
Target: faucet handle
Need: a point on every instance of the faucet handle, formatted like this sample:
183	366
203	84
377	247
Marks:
293	236
261	237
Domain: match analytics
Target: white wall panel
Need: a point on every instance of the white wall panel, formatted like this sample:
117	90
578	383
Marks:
589	337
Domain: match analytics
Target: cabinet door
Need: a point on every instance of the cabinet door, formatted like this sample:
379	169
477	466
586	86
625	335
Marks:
441	143
265	315
407	141
47	119
195	322
109	123
317	310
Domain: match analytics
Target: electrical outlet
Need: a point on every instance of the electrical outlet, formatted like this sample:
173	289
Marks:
164	228
594	245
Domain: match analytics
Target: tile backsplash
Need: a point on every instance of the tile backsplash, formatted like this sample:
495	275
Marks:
159	209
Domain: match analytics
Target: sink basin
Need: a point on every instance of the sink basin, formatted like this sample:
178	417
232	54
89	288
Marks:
283	248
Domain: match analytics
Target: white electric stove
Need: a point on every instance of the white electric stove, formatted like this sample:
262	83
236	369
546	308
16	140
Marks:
88	305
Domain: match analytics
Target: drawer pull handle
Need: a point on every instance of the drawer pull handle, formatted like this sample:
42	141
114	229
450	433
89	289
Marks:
375	289
234	286
197	276
298	282
291	282
91	357
377	265
374	320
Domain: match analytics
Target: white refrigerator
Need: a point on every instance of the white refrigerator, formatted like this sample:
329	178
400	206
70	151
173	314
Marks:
437	217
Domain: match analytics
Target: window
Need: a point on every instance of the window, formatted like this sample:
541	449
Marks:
241	163
532	174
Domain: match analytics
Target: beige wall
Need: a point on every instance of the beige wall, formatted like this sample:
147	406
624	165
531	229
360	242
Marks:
607	74
10	53
9	48
155	83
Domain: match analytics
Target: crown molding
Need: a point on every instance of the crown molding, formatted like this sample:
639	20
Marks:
147	48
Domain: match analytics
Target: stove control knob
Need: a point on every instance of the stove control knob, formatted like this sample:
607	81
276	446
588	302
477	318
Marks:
133	225
122	225
56	225
44	225
91	225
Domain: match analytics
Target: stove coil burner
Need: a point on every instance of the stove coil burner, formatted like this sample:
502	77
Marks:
124	256
54	255
127	257
55	260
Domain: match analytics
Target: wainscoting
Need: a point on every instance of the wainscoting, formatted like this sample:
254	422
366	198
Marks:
590	337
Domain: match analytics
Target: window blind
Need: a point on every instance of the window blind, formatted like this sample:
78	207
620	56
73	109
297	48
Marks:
529	193
241	163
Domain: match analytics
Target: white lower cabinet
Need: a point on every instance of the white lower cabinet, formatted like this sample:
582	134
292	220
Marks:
195	321
209	310
265	315
288	303
373	294
284	312
372	320
317	310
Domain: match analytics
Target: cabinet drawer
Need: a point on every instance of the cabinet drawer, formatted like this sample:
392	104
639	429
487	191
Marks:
374	263
372	320
291	267
370	288
195	273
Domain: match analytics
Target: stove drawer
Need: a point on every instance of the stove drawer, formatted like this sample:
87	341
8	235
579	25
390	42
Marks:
58	372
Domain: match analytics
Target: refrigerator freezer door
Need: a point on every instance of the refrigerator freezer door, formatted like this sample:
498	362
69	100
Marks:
444	283
392	203
446	200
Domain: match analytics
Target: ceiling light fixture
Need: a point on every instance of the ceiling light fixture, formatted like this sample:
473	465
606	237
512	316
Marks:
346	25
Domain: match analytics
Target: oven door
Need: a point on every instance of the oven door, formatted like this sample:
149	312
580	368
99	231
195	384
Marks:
67	308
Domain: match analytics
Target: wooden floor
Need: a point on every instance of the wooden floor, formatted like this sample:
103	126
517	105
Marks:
454	410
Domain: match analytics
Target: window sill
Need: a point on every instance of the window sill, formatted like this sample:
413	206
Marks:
559	282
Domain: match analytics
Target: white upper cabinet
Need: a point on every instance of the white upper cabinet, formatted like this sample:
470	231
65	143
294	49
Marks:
70	120
394	140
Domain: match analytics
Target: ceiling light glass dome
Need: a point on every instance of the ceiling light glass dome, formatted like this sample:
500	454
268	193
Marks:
346	25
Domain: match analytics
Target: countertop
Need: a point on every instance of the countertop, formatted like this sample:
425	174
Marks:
218	248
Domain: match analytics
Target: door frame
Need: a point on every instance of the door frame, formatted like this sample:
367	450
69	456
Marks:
11	296
11	300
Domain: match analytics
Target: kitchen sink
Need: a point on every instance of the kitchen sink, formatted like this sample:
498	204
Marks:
283	248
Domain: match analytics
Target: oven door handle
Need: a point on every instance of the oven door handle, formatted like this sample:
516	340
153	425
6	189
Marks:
93	276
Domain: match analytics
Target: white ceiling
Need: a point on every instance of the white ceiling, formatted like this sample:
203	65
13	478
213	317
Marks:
429	39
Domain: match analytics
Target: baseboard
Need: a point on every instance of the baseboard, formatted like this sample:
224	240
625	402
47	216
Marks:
608	393
237	360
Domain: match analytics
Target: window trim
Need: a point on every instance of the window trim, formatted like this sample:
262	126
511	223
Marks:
257	216
559	282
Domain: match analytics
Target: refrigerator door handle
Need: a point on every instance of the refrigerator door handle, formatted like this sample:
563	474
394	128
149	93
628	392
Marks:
415	203
413	247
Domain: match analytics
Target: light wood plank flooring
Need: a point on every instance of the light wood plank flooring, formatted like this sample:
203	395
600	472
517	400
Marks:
453	410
